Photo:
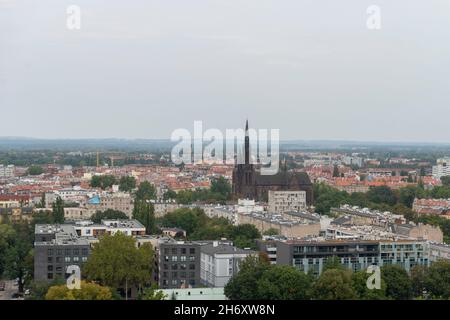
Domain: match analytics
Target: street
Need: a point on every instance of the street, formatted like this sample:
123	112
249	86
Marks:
10	288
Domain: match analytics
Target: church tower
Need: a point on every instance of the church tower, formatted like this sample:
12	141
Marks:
244	174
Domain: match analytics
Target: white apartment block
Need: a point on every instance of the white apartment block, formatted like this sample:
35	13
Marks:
442	168
352	160
285	201
219	262
7	171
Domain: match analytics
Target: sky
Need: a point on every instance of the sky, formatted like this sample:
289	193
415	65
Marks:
141	69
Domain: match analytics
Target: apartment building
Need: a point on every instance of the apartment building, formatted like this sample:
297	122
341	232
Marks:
55	248
120	201
283	201
442	168
179	264
353	254
7	171
16	214
219	262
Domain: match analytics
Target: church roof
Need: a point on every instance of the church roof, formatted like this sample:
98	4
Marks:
283	178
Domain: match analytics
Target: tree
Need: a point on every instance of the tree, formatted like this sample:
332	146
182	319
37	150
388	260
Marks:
336	171
407	195
98	216
332	263
145	191
38	289
271	232
116	262
103	181
127	183
334	284
359	284
283	283
221	186
7	235
437	279
169	194
152	293
382	194
87	291
242	285
144	212
18	261
445	181
35	170
398	283
58	210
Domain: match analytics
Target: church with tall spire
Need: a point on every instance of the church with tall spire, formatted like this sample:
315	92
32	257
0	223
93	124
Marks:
250	184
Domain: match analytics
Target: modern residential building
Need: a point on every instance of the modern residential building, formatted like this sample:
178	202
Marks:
55	248
442	168
355	255
130	227
7	171
219	262
283	201
179	264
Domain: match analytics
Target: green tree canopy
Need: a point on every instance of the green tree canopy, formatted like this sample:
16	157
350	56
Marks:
103	181
35	170
127	183
334	284
398	283
98	216
145	191
116	262
87	291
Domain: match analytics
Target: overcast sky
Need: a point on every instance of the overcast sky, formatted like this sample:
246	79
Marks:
140	69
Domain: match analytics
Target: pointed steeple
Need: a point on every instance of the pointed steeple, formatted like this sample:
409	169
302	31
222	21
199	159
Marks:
246	126
247	144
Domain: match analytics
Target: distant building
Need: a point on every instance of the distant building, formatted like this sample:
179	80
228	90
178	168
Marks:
219	262
174	232
250	184
284	201
353	161
16	214
442	168
7	171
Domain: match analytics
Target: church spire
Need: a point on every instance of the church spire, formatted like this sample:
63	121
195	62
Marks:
247	144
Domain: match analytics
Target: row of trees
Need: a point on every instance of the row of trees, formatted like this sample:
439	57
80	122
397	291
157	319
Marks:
199	226
126	183
257	279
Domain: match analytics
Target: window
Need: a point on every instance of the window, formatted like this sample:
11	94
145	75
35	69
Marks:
183	266
49	268
192	250
174	274
191	258
166	258
58	269
68	252
183	250
166	250
174	258
67	259
49	259
76	252
165	266
50	276
84	259
174	250
192	266
59	252
174	282
58	260
76	259
174	267
49	252
183	258
182	274
84	252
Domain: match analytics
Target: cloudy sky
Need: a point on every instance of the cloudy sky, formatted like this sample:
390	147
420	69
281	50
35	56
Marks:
140	69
